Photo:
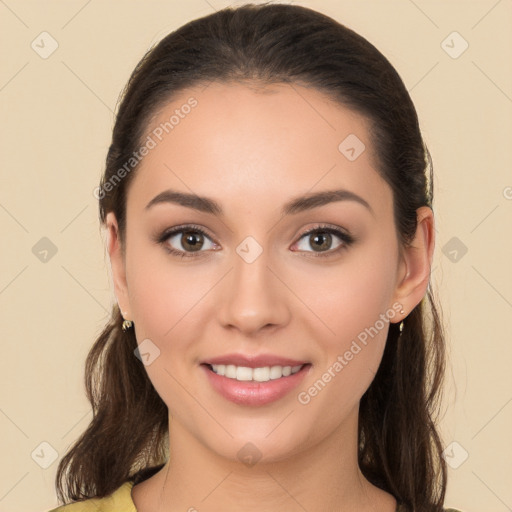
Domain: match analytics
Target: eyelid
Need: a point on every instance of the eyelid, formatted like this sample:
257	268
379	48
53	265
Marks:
184	227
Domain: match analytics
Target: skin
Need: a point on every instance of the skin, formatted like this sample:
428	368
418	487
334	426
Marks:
253	149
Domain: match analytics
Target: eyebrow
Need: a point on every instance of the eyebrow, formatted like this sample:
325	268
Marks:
294	206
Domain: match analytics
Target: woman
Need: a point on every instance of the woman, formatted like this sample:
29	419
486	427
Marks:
275	344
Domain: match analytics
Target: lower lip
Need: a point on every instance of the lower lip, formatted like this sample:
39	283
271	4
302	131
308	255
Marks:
251	392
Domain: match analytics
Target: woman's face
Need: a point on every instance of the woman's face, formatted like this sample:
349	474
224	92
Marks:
255	290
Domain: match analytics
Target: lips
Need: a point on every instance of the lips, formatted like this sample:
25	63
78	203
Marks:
249	386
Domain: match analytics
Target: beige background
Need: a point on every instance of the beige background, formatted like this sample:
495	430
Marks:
57	117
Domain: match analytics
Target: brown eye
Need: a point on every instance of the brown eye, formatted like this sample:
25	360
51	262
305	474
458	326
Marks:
191	240
186	240
320	240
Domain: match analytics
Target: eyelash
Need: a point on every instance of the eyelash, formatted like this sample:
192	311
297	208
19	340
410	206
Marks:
346	239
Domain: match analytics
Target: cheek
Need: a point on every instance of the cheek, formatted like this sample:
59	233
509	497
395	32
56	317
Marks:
167	300
355	311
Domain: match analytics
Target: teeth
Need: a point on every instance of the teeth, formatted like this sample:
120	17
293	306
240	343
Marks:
243	373
263	374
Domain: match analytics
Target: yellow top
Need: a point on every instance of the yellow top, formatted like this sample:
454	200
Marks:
121	501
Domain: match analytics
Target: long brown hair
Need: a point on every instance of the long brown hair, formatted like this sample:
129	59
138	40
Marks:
399	446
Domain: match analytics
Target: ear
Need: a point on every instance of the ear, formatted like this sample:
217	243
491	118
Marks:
416	261
117	264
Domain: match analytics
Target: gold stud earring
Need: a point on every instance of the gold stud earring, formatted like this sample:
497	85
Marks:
401	326
126	324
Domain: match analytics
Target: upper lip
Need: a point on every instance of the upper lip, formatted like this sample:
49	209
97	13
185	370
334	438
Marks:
256	361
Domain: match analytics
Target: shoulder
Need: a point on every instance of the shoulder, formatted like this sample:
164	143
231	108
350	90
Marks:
119	501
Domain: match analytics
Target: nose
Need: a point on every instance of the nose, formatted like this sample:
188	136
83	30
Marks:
253	298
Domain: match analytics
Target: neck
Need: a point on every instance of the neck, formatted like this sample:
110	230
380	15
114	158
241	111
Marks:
324	477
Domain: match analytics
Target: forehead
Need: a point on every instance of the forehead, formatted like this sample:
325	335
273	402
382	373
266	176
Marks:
247	143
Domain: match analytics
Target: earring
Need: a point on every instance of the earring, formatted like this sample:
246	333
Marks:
401	326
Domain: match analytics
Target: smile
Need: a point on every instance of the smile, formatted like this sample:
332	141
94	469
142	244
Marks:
255	385
262	374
